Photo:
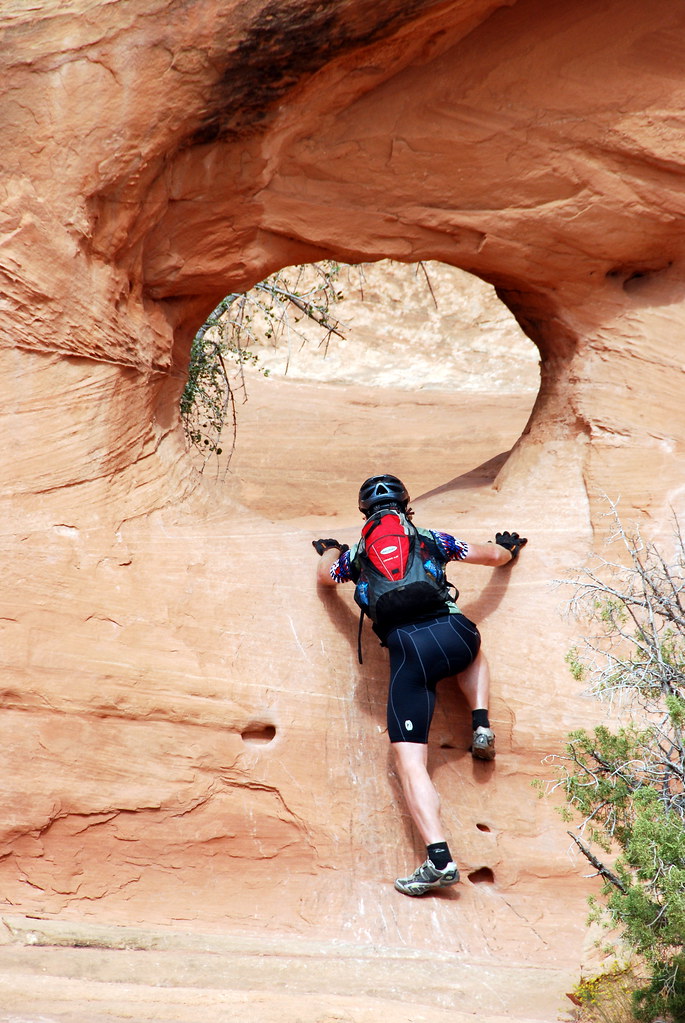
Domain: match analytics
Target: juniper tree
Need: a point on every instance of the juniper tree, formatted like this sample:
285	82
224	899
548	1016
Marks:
628	785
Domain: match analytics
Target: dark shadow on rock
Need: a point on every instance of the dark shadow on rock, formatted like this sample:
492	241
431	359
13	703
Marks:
371	687
449	743
483	475
344	617
450	735
483	770
490	596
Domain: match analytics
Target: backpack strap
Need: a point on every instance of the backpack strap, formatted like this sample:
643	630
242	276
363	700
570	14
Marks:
354	575
354	569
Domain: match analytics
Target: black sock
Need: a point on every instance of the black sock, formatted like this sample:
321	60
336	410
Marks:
479	719
439	854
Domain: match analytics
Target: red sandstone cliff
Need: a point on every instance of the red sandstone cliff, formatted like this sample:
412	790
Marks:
191	750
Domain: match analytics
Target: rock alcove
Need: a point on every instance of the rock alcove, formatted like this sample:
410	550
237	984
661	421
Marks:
156	155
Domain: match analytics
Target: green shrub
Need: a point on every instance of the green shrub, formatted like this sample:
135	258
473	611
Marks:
627	785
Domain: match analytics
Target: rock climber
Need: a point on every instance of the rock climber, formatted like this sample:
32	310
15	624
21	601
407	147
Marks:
424	646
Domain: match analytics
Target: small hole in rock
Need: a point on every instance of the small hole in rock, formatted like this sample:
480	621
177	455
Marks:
447	745
258	734
482	876
482	827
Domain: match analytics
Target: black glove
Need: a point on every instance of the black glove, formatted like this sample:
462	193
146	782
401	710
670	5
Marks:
512	541
325	545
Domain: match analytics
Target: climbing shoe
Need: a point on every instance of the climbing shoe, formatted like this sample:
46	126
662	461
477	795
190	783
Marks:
427	877
483	745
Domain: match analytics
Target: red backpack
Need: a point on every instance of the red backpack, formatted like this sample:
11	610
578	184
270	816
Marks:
399	574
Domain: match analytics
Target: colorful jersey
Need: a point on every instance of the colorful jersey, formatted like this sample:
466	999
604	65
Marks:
451	549
341	570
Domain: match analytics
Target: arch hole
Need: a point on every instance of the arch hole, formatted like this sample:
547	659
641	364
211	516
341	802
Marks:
482	876
483	827
426	344
258	734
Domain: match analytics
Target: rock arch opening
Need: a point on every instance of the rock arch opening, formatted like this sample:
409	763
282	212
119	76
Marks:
429	371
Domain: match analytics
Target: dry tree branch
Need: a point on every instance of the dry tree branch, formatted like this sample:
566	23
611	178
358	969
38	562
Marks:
597	864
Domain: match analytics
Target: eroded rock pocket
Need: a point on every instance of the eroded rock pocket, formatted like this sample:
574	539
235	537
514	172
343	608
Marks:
258	734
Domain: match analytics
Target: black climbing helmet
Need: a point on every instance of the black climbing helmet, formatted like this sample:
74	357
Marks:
381	492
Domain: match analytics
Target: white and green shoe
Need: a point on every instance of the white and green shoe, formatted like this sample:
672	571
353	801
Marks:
426	878
483	745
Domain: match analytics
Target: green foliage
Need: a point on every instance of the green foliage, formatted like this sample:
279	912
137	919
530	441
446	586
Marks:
576	666
627	785
225	343
602	779
665	993
676	710
208	394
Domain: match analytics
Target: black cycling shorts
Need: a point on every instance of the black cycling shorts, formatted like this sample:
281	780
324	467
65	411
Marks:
421	655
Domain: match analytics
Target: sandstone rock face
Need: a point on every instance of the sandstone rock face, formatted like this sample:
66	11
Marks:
190	745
